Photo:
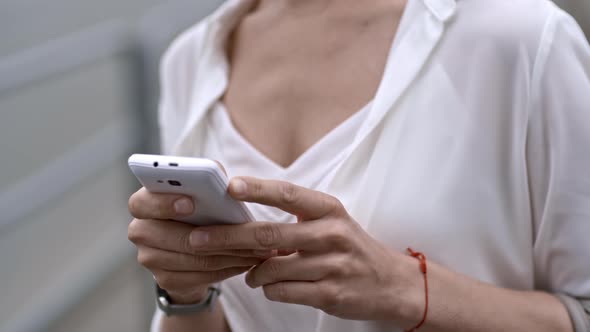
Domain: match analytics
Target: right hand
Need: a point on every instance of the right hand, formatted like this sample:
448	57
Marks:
164	248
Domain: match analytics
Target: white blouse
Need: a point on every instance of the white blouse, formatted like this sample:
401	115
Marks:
476	149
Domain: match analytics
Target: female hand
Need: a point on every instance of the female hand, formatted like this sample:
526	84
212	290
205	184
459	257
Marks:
335	265
164	248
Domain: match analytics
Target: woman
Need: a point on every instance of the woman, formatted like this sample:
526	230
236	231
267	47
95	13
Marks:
467	139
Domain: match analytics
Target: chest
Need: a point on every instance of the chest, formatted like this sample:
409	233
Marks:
292	84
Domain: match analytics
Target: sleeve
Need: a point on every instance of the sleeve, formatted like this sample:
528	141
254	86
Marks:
558	159
157	320
166	109
578	311
177	72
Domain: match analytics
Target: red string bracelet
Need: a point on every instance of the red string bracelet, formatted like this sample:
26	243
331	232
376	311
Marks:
420	256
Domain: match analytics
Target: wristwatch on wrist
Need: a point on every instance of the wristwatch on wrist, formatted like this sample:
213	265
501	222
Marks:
170	309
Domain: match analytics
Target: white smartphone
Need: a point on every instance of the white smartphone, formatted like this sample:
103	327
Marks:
201	179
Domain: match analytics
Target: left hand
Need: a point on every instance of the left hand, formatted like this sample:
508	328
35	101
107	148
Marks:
331	263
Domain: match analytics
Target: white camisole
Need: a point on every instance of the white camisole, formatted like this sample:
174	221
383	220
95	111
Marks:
248	310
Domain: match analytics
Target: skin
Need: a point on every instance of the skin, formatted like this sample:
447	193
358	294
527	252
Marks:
301	91
326	260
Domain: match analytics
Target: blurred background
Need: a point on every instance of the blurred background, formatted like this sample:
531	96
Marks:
78	94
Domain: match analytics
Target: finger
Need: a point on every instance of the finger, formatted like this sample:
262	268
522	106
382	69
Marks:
295	292
285	252
292	268
262	254
174	236
305	203
146	205
260	236
179	281
316	235
153	258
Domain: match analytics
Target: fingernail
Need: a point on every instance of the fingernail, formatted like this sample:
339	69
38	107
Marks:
199	238
239	186
183	206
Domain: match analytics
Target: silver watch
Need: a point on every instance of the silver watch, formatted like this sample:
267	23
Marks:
170	309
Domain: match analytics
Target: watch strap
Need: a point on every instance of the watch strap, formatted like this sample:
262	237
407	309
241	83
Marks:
165	304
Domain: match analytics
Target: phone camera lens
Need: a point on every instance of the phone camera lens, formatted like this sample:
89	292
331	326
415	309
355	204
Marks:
156	164
174	183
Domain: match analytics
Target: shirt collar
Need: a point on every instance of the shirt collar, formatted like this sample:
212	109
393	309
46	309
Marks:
419	43
210	86
441	9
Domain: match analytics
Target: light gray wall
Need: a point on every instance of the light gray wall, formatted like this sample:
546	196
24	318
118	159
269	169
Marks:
580	10
73	253
25	23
